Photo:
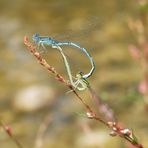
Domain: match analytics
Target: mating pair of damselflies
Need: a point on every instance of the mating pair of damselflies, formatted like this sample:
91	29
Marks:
80	82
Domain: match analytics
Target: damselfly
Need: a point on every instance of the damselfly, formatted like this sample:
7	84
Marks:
80	80
43	40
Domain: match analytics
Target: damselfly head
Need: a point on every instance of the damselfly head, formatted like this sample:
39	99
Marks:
35	37
79	74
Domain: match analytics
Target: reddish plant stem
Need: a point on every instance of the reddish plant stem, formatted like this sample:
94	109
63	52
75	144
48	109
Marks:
102	107
8	130
139	28
52	70
116	130
41	132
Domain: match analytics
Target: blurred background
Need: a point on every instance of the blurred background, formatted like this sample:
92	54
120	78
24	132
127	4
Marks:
29	96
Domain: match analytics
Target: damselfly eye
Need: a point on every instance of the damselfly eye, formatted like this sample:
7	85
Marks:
81	72
35	37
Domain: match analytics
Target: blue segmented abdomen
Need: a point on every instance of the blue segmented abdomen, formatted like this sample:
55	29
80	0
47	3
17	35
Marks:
85	51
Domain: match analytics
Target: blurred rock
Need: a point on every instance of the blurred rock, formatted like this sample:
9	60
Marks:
33	98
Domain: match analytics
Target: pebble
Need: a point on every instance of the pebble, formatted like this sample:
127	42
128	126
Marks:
34	98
